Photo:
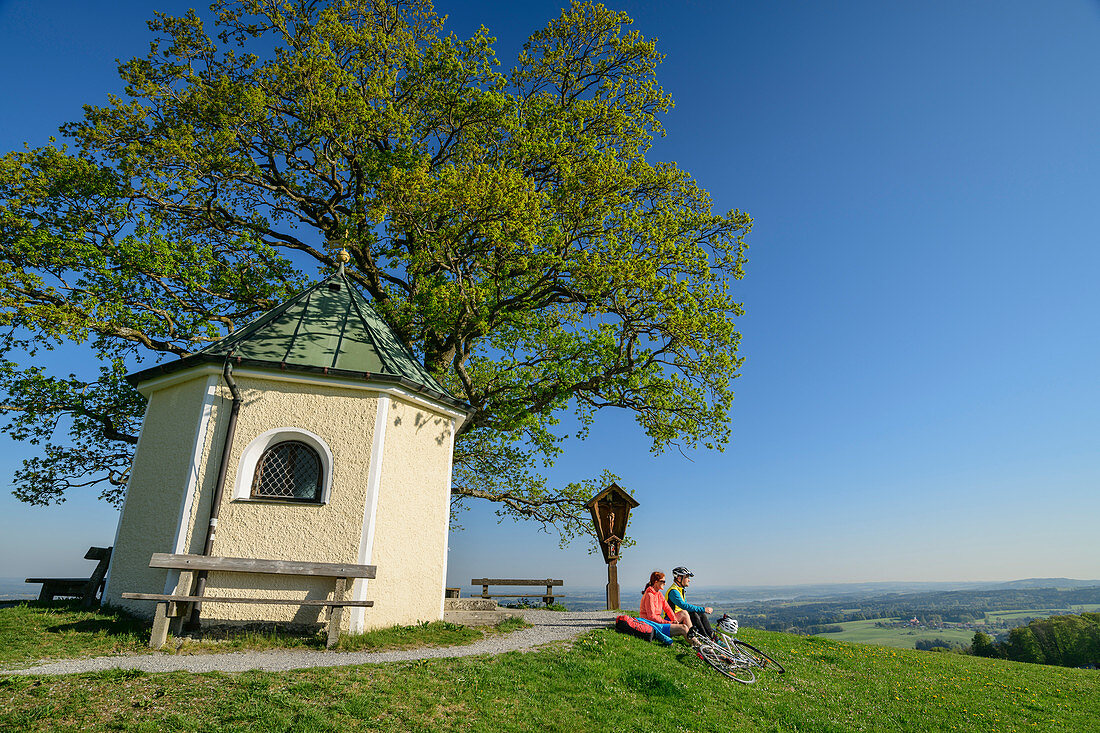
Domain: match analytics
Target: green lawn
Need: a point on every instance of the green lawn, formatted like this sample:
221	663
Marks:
32	632
602	682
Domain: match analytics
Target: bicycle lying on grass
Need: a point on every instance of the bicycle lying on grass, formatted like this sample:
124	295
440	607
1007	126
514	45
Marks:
734	658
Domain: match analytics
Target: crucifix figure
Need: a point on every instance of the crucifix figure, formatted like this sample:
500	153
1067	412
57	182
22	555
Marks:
608	506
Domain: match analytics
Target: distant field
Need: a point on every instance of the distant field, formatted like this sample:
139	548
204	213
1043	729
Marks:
865	632
1025	613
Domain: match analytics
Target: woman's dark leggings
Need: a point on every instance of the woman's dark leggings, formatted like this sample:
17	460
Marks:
701	622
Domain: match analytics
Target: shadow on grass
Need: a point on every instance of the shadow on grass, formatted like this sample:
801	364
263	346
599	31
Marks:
72	617
107	627
653	684
16	602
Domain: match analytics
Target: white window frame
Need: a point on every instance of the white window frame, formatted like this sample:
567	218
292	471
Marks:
250	459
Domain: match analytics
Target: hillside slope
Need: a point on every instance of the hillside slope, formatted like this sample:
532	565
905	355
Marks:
602	682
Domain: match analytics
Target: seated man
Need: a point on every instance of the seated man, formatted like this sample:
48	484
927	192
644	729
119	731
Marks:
694	616
655	610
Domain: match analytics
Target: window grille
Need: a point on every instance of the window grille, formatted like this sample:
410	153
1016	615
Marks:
289	471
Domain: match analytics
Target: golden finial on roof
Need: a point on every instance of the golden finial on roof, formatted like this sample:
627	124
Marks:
342	256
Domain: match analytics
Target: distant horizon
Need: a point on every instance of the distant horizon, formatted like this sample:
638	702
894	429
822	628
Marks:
8	584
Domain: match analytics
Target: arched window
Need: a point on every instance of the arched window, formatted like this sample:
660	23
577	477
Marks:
285	464
290	471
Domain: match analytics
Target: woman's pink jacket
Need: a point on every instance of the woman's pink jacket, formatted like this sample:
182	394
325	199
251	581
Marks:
653	605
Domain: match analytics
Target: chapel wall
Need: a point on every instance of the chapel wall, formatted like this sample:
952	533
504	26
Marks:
170	456
330	532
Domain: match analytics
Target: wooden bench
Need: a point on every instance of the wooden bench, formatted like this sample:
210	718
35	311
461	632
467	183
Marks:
86	589
547	597
178	607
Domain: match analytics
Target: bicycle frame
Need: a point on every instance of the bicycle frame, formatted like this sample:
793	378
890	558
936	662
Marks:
725	642
740	667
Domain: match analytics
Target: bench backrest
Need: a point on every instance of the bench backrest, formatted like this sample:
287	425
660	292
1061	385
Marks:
98	553
513	581
253	565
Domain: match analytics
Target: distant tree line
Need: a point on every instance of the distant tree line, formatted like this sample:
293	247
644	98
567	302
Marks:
824	629
1066	641
930	609
928	645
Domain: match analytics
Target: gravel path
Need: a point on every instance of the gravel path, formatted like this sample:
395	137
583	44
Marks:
548	626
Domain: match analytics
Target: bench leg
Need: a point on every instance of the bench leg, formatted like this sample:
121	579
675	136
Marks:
336	615
159	635
91	590
95	583
177	613
180	612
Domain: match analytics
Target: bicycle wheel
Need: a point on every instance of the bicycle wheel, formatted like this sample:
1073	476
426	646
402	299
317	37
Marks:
737	669
759	658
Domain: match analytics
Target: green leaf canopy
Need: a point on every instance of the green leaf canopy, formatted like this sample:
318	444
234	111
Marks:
508	226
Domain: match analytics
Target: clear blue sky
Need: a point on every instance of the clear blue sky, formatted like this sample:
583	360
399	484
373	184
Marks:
919	399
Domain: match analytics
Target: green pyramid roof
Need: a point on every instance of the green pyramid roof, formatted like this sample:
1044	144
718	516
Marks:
329	328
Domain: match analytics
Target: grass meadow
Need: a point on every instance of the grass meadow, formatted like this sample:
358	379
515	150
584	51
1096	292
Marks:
603	681
33	632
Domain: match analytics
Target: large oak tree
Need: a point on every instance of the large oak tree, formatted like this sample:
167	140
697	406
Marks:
508	225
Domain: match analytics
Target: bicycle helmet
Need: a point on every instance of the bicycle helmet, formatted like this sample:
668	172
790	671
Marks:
677	572
728	625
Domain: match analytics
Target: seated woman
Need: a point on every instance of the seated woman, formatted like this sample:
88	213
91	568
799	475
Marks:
655	610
